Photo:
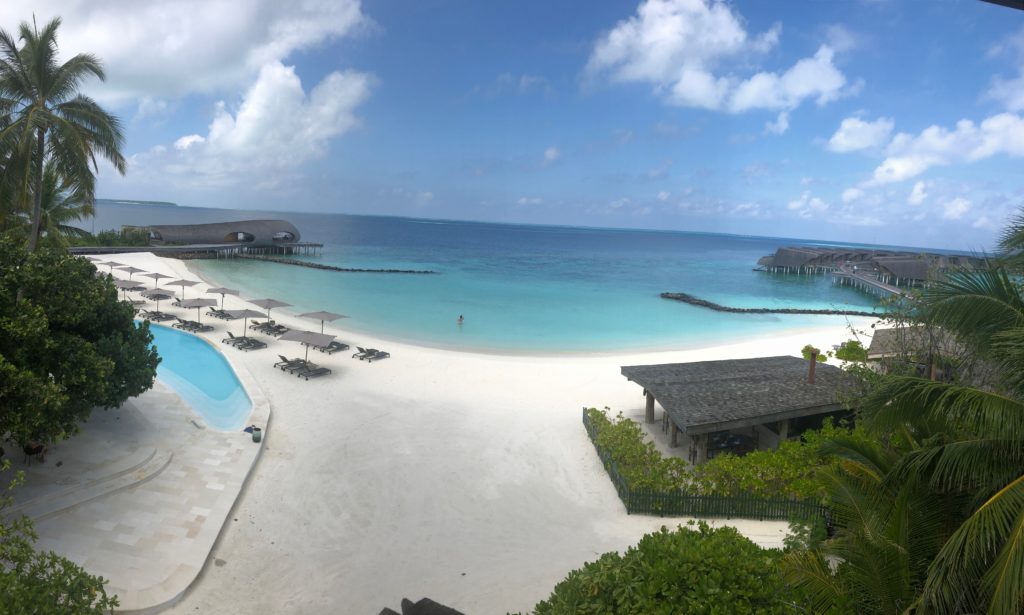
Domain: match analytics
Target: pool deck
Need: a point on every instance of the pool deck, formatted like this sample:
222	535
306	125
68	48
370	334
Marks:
141	495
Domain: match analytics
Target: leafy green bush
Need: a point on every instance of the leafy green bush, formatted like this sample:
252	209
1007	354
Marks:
785	473
713	571
67	344
853	351
808	349
111	237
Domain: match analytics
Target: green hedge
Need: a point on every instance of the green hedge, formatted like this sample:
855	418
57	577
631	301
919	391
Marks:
761	485
702	570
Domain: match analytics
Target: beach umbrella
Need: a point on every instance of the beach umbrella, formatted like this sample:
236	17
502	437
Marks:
112	264
307	338
132	270
245	315
197	304
222	291
268	304
158	295
156	278
322	316
125	286
183	284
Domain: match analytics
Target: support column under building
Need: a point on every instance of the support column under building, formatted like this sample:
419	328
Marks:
650	407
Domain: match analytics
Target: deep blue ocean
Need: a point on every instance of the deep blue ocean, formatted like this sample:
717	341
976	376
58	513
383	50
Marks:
521	288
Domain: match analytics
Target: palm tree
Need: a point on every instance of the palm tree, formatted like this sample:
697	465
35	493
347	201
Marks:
61	203
976	447
44	117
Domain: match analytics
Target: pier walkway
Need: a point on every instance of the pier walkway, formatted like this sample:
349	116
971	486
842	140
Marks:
845	275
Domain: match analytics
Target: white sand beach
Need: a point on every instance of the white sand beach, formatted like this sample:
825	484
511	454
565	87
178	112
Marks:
464	477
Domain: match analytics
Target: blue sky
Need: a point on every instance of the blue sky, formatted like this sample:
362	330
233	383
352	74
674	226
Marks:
879	121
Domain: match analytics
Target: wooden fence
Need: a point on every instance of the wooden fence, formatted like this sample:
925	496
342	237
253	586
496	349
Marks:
649	501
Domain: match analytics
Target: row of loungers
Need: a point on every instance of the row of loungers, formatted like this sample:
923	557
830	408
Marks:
156	316
269	327
301	367
370	354
244	343
221	314
192	326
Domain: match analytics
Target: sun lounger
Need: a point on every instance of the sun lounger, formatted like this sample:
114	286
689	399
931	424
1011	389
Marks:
286	364
234	341
333	347
362	352
256	326
313	373
380	354
302	365
251	344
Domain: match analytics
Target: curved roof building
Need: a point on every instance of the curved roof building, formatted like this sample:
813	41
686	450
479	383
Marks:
255	233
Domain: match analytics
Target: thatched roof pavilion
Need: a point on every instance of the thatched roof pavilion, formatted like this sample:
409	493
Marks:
711	396
254	233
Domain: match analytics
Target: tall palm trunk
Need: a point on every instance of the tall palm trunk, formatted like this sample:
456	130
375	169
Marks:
37	204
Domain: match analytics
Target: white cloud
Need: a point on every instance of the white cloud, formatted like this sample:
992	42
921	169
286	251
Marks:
856	134
808	206
529	200
551	154
852	194
1009	92
169	48
423	198
815	77
983	223
840	38
780	125
909	156
677	46
955	209
663	195
188	141
276	128
918	194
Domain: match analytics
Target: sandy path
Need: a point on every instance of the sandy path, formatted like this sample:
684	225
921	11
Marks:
464	477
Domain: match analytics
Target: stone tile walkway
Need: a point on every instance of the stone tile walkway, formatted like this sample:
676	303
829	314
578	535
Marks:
141	495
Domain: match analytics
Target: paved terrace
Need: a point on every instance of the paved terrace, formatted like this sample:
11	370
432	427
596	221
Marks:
141	494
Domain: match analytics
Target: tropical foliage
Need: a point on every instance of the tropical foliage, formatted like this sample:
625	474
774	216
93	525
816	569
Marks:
786	473
852	351
67	346
49	132
702	570
808	350
931	519
34	583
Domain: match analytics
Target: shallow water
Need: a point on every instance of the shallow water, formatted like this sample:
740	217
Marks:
520	287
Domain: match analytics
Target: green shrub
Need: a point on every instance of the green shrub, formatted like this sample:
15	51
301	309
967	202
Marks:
808	349
853	351
702	570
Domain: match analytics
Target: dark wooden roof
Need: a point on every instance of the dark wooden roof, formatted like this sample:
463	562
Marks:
708	396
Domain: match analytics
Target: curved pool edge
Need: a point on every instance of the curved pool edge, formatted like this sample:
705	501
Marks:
168	592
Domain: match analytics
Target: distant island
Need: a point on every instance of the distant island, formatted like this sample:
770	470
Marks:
126	202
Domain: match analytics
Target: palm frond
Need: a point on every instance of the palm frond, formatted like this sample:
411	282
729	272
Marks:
975	305
983	553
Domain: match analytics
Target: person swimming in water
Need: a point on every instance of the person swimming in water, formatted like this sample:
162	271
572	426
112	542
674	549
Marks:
460	320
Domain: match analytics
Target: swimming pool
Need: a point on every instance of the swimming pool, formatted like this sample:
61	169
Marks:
202	377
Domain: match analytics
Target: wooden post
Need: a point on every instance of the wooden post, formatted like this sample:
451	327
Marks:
673	434
650	407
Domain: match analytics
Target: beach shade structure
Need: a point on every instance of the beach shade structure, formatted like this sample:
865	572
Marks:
245	315
198	304
112	264
158	295
125	286
183	284
307	338
156	278
268	304
322	317
132	270
220	290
